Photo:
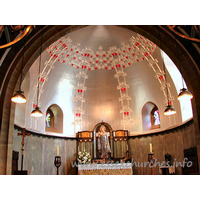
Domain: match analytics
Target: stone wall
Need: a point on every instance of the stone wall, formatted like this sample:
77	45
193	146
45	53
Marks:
173	141
40	151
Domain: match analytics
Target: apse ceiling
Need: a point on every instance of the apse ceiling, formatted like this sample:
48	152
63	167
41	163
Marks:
100	73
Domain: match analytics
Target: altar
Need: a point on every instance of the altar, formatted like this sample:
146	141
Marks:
110	144
106	169
103	151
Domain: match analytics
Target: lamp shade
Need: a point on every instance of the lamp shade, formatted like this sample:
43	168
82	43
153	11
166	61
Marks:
18	97
169	110
184	94
36	112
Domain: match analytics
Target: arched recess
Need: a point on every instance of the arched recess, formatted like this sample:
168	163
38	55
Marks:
149	120
54	119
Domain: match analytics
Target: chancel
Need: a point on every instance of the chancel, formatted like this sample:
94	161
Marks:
102	91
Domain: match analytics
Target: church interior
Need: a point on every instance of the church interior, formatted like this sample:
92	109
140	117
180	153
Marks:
108	92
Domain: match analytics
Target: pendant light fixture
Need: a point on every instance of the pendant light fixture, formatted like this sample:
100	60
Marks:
19	97
184	93
37	112
169	109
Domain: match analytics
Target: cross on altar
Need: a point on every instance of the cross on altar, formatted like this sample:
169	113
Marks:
23	134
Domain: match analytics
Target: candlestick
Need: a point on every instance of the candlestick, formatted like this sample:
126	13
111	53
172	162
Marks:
150	147
57	151
57	163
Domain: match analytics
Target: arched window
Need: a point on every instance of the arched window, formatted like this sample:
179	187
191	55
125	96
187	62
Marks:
150	116
54	119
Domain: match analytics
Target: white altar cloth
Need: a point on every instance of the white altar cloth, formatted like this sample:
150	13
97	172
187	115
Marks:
105	166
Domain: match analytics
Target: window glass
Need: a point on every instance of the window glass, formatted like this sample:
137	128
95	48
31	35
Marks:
49	118
156	118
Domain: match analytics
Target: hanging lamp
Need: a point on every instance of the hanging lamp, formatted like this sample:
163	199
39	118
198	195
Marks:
184	93
36	111
19	97
169	109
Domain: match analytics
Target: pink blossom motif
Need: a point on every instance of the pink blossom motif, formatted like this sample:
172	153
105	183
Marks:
42	80
78	114
161	77
123	89
137	44
34	105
